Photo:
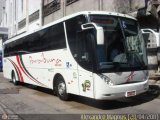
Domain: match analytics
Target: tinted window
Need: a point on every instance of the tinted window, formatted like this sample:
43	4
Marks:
50	38
80	42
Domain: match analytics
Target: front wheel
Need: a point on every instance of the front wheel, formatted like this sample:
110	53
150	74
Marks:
13	77
61	89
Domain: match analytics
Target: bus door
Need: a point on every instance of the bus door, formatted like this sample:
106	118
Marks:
85	62
85	82
80	44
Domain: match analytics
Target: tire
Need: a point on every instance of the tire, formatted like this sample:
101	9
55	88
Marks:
54	92
13	77
61	89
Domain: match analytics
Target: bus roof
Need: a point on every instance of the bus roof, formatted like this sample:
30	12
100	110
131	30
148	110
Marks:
68	17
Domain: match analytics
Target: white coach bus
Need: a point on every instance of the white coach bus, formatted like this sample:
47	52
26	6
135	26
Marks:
100	55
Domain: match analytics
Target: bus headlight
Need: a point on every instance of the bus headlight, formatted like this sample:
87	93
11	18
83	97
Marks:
106	79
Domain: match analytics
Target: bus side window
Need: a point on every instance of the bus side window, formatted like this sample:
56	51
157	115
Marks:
84	46
79	42
84	43
73	26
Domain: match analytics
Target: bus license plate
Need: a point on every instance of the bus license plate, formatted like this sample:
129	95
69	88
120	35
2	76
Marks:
130	93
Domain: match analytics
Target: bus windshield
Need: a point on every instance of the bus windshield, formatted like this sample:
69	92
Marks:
123	48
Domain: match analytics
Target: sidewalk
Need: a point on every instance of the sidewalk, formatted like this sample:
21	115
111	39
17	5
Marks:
5	110
7	114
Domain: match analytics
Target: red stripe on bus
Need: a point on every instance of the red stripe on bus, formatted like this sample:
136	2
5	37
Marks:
19	63
19	72
23	69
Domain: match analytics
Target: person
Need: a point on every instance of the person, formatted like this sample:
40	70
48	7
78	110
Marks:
114	53
116	50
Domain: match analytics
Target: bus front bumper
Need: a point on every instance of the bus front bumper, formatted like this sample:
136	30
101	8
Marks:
121	91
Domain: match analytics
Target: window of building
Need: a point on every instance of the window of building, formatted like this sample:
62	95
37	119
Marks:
68	2
34	16
51	7
21	24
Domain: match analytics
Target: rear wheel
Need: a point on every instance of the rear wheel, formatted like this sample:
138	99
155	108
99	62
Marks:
13	77
61	89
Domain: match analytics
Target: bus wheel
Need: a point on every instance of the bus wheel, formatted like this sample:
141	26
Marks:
13	77
61	89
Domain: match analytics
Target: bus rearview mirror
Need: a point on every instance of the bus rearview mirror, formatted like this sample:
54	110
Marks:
100	32
100	36
87	26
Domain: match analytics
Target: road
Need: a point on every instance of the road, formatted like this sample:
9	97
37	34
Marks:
27	99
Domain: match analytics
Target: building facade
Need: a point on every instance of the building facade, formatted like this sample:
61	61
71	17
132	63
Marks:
27	15
3	29
2	5
146	11
21	16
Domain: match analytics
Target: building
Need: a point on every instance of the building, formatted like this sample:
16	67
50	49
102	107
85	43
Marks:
146	11
27	15
1	9
21	16
3	29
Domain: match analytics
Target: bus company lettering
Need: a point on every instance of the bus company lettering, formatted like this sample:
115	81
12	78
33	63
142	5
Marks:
44	60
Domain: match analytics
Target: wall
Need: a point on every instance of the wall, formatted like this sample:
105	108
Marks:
17	11
122	6
54	16
17	16
82	5
136	4
33	6
1	9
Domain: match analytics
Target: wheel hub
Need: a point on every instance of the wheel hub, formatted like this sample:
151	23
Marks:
61	88
14	79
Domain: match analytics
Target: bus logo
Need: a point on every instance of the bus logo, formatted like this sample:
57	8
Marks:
86	85
130	77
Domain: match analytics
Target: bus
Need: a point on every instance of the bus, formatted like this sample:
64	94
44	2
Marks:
95	54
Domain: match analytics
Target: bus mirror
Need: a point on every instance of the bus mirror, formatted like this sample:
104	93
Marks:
87	26
100	36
